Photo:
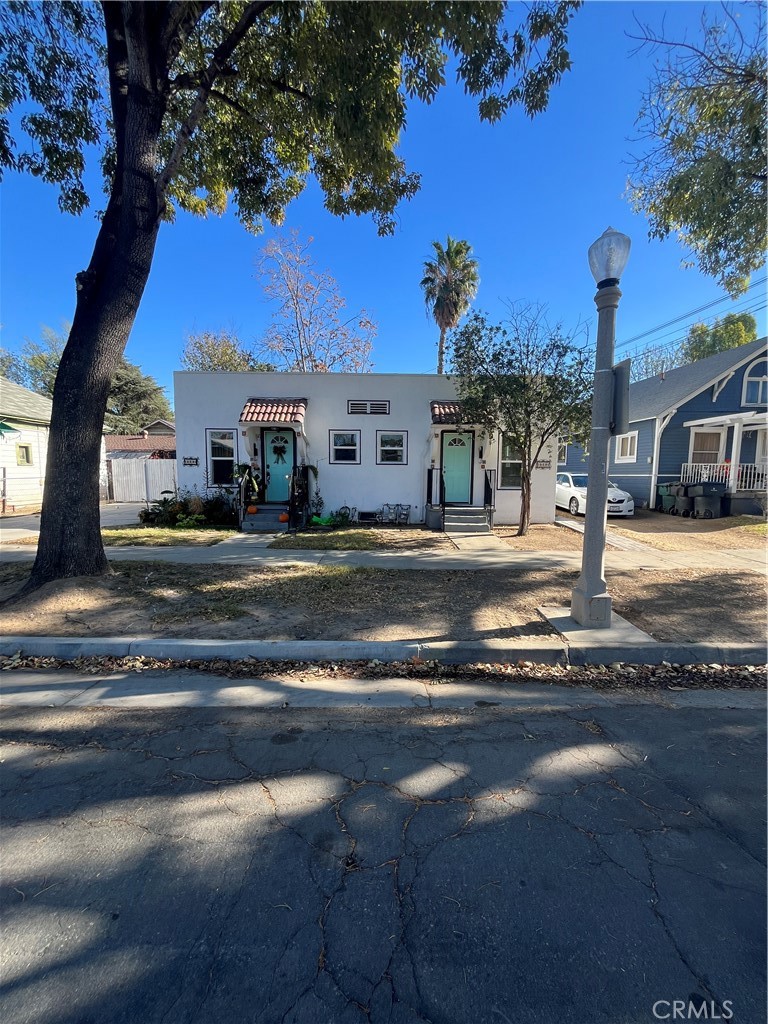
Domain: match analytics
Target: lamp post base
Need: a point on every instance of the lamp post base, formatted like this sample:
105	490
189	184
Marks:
592	610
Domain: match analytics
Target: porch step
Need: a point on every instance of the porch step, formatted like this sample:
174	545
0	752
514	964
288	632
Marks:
266	520
466	520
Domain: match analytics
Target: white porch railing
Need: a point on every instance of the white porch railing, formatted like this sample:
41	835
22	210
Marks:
751	476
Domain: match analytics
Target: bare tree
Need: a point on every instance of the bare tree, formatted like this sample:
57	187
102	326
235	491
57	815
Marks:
310	330
526	379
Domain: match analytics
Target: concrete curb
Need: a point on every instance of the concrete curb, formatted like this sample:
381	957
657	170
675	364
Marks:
447	653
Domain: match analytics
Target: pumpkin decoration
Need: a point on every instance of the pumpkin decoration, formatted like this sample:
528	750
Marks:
252	510
283	517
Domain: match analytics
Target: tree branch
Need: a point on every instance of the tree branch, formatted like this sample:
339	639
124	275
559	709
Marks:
220	58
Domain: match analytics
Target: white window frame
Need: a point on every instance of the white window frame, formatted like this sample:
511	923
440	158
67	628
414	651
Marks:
332	447
508	462
631	455
210	458
562	445
27	460
722	431
761	380
403	449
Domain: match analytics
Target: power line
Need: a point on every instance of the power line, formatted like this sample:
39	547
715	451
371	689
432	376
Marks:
748	306
672	346
686	316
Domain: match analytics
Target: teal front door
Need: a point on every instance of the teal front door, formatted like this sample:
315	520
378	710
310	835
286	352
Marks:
279	459
457	468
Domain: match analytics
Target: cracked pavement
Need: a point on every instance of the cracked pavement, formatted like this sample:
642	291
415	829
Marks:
196	865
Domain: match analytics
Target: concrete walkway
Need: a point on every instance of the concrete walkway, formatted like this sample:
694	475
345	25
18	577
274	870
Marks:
474	553
116	513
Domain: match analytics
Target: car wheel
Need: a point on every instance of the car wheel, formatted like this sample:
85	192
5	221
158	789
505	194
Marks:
573	506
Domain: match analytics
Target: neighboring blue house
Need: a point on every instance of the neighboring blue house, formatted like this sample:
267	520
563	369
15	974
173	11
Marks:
705	421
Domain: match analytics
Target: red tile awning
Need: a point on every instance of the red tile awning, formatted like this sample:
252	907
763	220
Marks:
445	412
274	410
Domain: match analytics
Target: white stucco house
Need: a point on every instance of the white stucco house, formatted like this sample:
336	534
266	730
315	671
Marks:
373	439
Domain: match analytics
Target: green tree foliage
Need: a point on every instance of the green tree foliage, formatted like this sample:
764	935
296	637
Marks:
213	351
36	365
310	330
449	284
135	398
525	379
192	104
731	331
703	175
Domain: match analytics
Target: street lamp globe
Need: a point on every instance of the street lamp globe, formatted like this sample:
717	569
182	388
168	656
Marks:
608	256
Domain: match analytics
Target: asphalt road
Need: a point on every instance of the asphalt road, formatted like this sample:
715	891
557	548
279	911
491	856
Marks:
338	866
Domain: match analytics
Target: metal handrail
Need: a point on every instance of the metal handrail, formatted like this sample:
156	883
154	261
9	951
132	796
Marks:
489	492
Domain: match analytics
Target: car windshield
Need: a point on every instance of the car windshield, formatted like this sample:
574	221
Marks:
579	481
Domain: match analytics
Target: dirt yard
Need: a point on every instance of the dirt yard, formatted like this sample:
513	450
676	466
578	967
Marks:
675	533
340	603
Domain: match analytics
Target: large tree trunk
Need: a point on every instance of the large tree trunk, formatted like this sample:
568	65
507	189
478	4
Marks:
108	297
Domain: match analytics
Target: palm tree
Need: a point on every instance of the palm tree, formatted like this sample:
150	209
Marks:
450	283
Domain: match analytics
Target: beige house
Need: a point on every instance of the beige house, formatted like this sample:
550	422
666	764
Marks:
25	419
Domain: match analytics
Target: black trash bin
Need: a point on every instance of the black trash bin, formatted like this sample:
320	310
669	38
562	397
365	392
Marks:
707	488
683	506
709	506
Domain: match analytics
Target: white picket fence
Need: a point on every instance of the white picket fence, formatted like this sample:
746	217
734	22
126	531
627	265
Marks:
142	479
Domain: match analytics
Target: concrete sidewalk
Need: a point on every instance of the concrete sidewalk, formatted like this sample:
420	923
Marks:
490	553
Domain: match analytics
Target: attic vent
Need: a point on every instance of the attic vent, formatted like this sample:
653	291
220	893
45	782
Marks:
374	407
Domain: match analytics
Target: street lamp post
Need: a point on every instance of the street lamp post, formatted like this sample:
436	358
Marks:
590	601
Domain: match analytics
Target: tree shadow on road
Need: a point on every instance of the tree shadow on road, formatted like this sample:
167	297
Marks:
334	866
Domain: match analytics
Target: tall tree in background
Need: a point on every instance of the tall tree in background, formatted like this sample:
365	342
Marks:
135	398
214	351
705	171
449	284
731	331
36	365
191	102
310	330
526	380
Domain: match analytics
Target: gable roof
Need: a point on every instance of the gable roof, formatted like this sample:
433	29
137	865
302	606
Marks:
22	405
657	395
140	443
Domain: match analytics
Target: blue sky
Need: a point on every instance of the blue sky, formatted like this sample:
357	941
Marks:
529	195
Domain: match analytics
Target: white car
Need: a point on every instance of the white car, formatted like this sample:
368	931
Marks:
571	493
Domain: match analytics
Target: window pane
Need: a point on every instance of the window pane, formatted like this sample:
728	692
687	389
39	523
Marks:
391	440
345	440
706	447
222	444
391	455
510	474
344	454
222	471
508	451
